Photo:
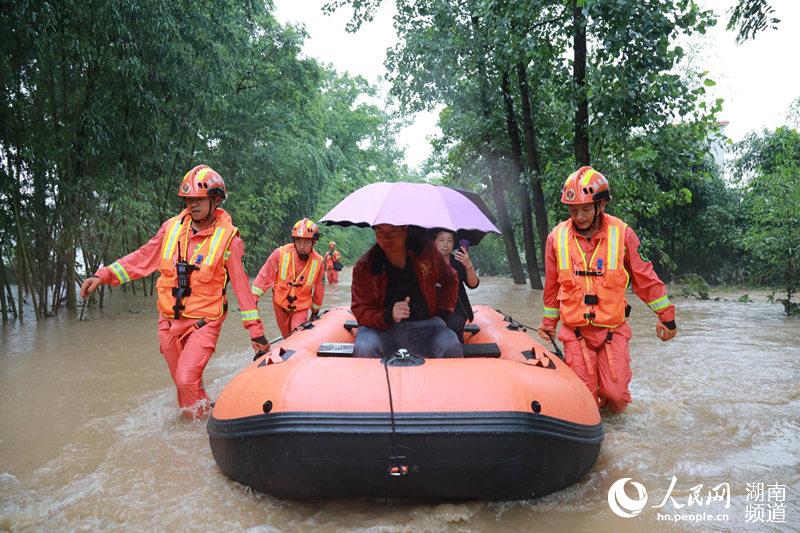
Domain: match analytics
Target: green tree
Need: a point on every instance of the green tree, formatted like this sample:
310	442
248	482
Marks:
105	105
768	168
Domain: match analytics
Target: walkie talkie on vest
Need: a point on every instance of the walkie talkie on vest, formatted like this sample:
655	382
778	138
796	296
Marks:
184	270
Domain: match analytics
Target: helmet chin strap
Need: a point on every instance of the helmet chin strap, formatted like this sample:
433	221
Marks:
596	213
212	207
596	216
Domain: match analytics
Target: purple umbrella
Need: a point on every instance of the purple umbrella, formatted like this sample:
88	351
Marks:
417	204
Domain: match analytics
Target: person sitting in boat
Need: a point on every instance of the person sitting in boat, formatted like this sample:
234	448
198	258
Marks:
589	260
467	277
396	301
197	252
295	273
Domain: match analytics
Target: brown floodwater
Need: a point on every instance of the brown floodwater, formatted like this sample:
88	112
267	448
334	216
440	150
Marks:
90	437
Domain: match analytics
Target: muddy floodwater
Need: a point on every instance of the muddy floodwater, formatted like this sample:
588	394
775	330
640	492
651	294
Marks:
90	437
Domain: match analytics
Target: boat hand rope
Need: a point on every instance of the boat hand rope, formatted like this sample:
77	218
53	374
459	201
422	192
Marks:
395	470
513	322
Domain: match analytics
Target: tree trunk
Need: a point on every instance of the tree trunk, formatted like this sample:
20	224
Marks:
498	189
20	301
579	76
10	298
3	304
504	220
532	154
512	129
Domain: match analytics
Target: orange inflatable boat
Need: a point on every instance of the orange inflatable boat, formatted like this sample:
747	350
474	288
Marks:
308	421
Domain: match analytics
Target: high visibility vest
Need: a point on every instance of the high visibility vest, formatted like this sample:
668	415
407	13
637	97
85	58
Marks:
207	297
592	291
295	293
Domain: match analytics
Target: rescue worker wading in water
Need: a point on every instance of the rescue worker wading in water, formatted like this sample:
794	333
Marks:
197	252
332	260
294	272
589	261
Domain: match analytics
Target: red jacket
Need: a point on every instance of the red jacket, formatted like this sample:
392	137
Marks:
368	289
644	280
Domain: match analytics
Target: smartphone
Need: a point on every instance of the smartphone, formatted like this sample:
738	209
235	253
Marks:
464	244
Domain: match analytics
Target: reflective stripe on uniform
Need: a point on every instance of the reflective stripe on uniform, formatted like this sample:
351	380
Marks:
120	272
613	247
171	239
285	257
250	314
659	303
255	290
550	312
562	248
313	272
212	248
315	307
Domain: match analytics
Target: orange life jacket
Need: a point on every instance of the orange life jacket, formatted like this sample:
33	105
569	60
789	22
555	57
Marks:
331	258
290	292
592	291
206	296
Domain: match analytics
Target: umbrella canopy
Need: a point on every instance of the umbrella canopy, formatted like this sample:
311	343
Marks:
412	204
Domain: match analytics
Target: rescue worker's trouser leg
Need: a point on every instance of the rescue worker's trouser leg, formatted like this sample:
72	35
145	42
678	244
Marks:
614	370
580	358
603	366
187	351
288	321
333	276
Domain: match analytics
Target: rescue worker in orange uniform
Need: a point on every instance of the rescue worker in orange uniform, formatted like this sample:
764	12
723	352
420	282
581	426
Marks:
332	256
589	261
196	252
295	273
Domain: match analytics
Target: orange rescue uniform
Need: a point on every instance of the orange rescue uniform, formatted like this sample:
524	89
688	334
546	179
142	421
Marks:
296	286
330	258
188	341
585	282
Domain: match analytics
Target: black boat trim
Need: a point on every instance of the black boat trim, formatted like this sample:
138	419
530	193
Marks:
497	422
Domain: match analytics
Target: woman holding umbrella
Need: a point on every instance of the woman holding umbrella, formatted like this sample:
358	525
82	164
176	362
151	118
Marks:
444	241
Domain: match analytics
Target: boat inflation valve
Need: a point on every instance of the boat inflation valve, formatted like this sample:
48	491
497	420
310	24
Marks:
403	357
536	407
267	406
398	470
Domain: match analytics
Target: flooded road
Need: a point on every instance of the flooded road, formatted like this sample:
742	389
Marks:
90	437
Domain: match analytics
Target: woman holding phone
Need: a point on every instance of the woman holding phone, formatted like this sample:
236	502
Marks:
460	261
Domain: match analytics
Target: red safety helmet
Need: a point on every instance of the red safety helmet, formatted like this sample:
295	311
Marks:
202	181
305	229
585	186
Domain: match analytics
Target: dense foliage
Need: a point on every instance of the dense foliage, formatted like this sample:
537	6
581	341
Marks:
769	171
105	105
